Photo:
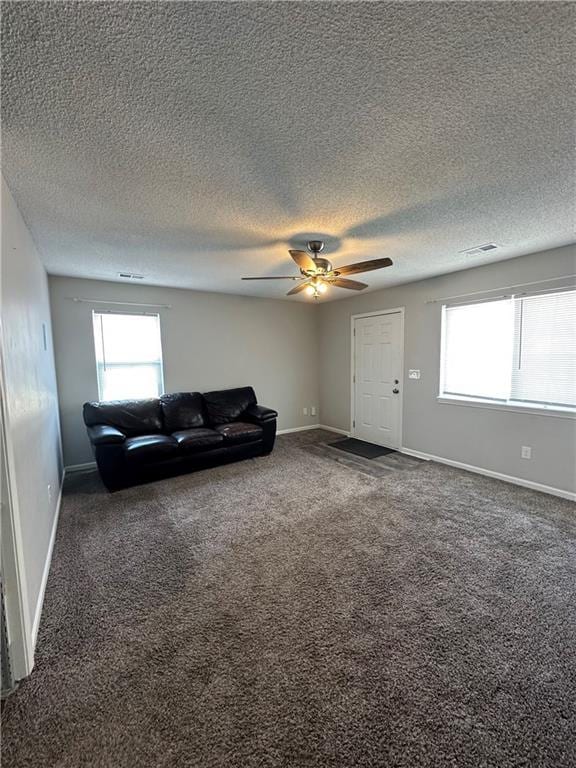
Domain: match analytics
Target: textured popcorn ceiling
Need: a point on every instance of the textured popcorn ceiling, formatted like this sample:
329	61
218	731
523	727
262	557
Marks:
195	142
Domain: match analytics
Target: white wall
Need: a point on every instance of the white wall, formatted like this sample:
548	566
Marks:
209	341
30	404
485	438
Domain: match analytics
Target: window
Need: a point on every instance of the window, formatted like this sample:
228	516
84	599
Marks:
518	351
128	355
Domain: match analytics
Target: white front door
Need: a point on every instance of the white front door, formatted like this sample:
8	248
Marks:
377	379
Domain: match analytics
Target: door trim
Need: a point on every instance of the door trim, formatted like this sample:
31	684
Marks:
20	644
353	318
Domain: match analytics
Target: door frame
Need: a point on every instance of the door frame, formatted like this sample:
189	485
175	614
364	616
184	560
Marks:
353	318
14	581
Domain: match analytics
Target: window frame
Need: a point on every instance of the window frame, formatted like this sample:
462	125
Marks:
98	365
528	408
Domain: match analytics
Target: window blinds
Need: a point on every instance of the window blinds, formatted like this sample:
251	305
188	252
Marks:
544	369
513	350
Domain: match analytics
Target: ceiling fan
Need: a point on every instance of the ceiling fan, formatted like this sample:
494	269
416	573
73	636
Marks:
317	273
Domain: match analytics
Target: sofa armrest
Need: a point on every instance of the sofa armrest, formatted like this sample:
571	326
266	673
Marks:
260	415
102	434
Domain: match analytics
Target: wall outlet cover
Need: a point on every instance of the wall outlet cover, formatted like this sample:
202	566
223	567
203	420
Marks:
414	373
305	411
526	452
313	411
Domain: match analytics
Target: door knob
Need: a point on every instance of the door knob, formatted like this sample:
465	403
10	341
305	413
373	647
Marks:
395	390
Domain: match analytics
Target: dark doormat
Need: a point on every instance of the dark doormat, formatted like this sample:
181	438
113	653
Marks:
360	448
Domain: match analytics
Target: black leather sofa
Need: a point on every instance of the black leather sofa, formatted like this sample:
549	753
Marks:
136	441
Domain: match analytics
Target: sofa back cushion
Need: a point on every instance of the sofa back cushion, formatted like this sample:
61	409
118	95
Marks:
182	410
227	405
133	417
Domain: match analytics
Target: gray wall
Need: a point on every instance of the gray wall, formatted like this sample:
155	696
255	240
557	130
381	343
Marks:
31	407
209	341
298	355
485	438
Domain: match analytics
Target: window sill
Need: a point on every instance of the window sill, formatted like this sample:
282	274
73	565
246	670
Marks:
533	410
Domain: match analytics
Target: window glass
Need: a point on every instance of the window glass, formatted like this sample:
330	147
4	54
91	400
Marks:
516	350
128	355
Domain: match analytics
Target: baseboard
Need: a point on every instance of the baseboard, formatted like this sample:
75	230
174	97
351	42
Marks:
89	465
491	473
297	429
313	426
40	601
334	429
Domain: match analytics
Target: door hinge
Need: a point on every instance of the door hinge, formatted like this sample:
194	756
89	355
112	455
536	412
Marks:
354	423
354	379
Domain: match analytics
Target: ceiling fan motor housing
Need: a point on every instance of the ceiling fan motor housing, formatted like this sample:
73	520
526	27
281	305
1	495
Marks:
323	265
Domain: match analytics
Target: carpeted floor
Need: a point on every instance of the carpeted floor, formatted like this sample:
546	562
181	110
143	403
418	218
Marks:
295	612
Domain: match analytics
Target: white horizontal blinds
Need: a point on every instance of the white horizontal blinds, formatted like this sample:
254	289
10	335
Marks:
128	355
544	369
477	349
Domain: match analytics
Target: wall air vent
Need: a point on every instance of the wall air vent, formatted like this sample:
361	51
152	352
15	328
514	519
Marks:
478	250
130	276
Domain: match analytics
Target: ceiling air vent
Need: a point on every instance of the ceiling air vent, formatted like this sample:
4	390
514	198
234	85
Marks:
478	250
130	276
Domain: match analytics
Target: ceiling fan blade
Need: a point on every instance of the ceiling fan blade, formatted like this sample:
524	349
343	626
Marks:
303	260
298	288
363	266
341	282
296	277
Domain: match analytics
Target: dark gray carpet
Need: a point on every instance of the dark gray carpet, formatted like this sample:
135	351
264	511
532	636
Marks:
381	466
296	612
361	448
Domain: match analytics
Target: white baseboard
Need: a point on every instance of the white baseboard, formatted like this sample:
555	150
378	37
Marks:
334	429
312	426
297	429
40	601
89	465
490	473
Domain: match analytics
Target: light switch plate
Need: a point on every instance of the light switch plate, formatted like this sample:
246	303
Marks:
414	373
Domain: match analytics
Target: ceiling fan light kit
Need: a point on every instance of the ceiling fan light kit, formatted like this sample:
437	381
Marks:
317	273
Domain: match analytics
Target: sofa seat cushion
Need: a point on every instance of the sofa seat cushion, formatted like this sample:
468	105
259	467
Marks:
239	432
150	448
198	439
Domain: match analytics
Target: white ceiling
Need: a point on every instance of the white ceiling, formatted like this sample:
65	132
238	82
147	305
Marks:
194	142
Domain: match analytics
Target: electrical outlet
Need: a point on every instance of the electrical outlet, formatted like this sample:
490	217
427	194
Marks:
313	411
414	373
305	411
49	494
526	452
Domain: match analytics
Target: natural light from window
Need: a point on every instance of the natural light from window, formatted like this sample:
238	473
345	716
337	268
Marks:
128	355
519	351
